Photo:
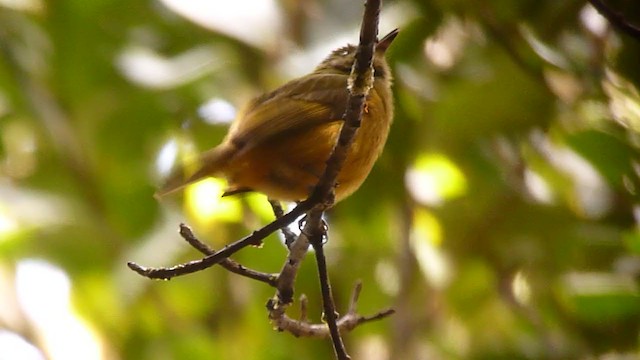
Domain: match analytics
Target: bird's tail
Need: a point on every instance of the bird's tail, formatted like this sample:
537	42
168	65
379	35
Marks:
207	164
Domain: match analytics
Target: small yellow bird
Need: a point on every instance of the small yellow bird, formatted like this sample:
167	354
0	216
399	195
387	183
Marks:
280	143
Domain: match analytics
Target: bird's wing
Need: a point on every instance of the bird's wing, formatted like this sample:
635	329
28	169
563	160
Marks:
311	101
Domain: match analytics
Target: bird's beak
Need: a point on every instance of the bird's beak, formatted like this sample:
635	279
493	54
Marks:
384	43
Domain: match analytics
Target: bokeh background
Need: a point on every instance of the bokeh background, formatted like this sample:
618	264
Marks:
501	221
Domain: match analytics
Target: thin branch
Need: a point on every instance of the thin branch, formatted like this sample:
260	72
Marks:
279	303
230	265
304	302
355	296
330	315
616	19
360	82
302	327
255	239
346	323
287	277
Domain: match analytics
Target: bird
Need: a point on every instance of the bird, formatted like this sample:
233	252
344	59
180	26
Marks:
280	142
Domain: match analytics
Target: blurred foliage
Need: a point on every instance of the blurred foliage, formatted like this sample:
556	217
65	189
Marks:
501	221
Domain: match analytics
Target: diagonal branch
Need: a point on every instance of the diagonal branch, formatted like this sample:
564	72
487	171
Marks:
255	239
228	264
360	82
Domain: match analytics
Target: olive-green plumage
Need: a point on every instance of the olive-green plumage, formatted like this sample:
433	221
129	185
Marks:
280	143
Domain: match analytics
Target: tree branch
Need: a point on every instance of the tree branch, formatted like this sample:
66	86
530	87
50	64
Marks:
360	82
302	327
255	239
289	272
230	265
330	315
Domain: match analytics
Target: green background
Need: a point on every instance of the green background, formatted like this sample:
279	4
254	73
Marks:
501	222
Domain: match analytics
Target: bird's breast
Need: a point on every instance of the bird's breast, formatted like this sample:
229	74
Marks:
288	168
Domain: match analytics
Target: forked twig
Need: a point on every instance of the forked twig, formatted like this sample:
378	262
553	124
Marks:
228	264
302	327
254	239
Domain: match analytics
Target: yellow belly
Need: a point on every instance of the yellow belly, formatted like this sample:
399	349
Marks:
288	169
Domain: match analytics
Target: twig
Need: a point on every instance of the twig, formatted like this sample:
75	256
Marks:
316	238
302	327
255	239
616	19
284	296
289	272
360	82
353	305
303	308
230	265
